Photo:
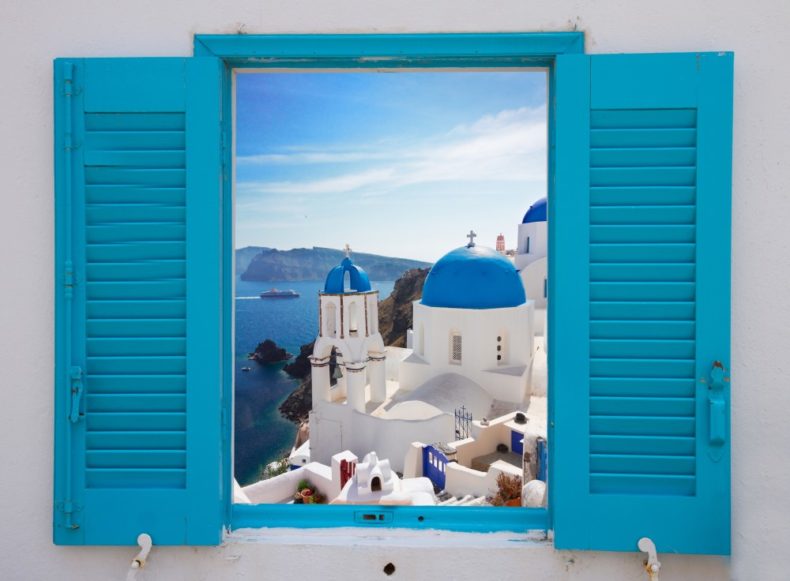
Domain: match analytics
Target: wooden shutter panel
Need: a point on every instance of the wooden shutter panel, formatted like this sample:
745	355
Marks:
137	378
640	311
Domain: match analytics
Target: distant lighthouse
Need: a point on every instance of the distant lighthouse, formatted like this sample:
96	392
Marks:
500	243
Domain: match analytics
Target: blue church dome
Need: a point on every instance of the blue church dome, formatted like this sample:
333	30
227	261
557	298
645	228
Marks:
473	277
335	280
536	212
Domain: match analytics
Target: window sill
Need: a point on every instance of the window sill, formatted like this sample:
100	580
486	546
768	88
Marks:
364	537
499	520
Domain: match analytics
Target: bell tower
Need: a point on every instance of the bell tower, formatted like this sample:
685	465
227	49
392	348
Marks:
349	323
500	243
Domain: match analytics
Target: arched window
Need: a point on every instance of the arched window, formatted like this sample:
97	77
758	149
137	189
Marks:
353	318
421	340
330	320
347	281
527	248
335	372
372	321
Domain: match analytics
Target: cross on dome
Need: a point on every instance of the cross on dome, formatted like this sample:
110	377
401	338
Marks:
472	234
347	250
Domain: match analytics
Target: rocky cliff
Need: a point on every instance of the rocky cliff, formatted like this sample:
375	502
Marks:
314	263
297	406
395	312
245	255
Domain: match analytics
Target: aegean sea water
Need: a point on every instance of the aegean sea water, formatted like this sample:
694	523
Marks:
262	435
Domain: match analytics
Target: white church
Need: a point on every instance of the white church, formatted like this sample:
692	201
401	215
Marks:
472	347
531	253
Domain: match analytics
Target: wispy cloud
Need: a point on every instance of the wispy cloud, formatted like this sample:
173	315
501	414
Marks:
294	156
508	146
344	183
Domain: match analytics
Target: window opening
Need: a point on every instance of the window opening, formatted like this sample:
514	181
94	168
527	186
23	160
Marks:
455	348
329	160
501	349
331	320
353	318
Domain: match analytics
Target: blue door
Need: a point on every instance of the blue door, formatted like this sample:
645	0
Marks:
434	464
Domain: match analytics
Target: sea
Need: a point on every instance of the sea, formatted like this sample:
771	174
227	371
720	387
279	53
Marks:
261	434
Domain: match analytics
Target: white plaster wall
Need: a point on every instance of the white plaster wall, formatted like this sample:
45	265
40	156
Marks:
33	32
484	441
479	329
395	356
282	487
538	235
362	433
533	276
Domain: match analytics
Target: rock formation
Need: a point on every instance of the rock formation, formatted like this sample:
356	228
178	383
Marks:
269	352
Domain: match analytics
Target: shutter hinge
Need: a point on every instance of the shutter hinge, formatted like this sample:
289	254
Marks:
70	90
75	375
68	279
70	86
69	508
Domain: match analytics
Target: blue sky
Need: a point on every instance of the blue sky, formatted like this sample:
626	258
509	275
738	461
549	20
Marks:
400	164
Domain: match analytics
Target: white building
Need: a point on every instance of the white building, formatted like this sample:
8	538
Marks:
375	482
474	321
532	250
472	349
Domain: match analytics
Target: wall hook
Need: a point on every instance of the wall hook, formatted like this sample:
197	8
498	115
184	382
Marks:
145	542
652	565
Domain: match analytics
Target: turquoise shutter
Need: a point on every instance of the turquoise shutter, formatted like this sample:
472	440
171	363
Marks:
137	371
640	304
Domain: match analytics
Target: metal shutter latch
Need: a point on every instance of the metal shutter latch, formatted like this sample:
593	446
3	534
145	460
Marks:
652	565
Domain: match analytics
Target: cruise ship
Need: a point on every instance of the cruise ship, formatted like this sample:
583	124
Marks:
279	294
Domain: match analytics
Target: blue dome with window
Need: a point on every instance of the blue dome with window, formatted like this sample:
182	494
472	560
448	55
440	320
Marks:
335	280
473	277
536	212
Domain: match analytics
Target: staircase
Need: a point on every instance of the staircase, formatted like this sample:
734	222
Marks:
447	499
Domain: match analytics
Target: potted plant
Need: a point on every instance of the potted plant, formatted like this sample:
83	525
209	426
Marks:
307	493
508	491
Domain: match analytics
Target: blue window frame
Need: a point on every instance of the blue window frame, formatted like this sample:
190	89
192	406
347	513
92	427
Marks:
639	222
394	51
